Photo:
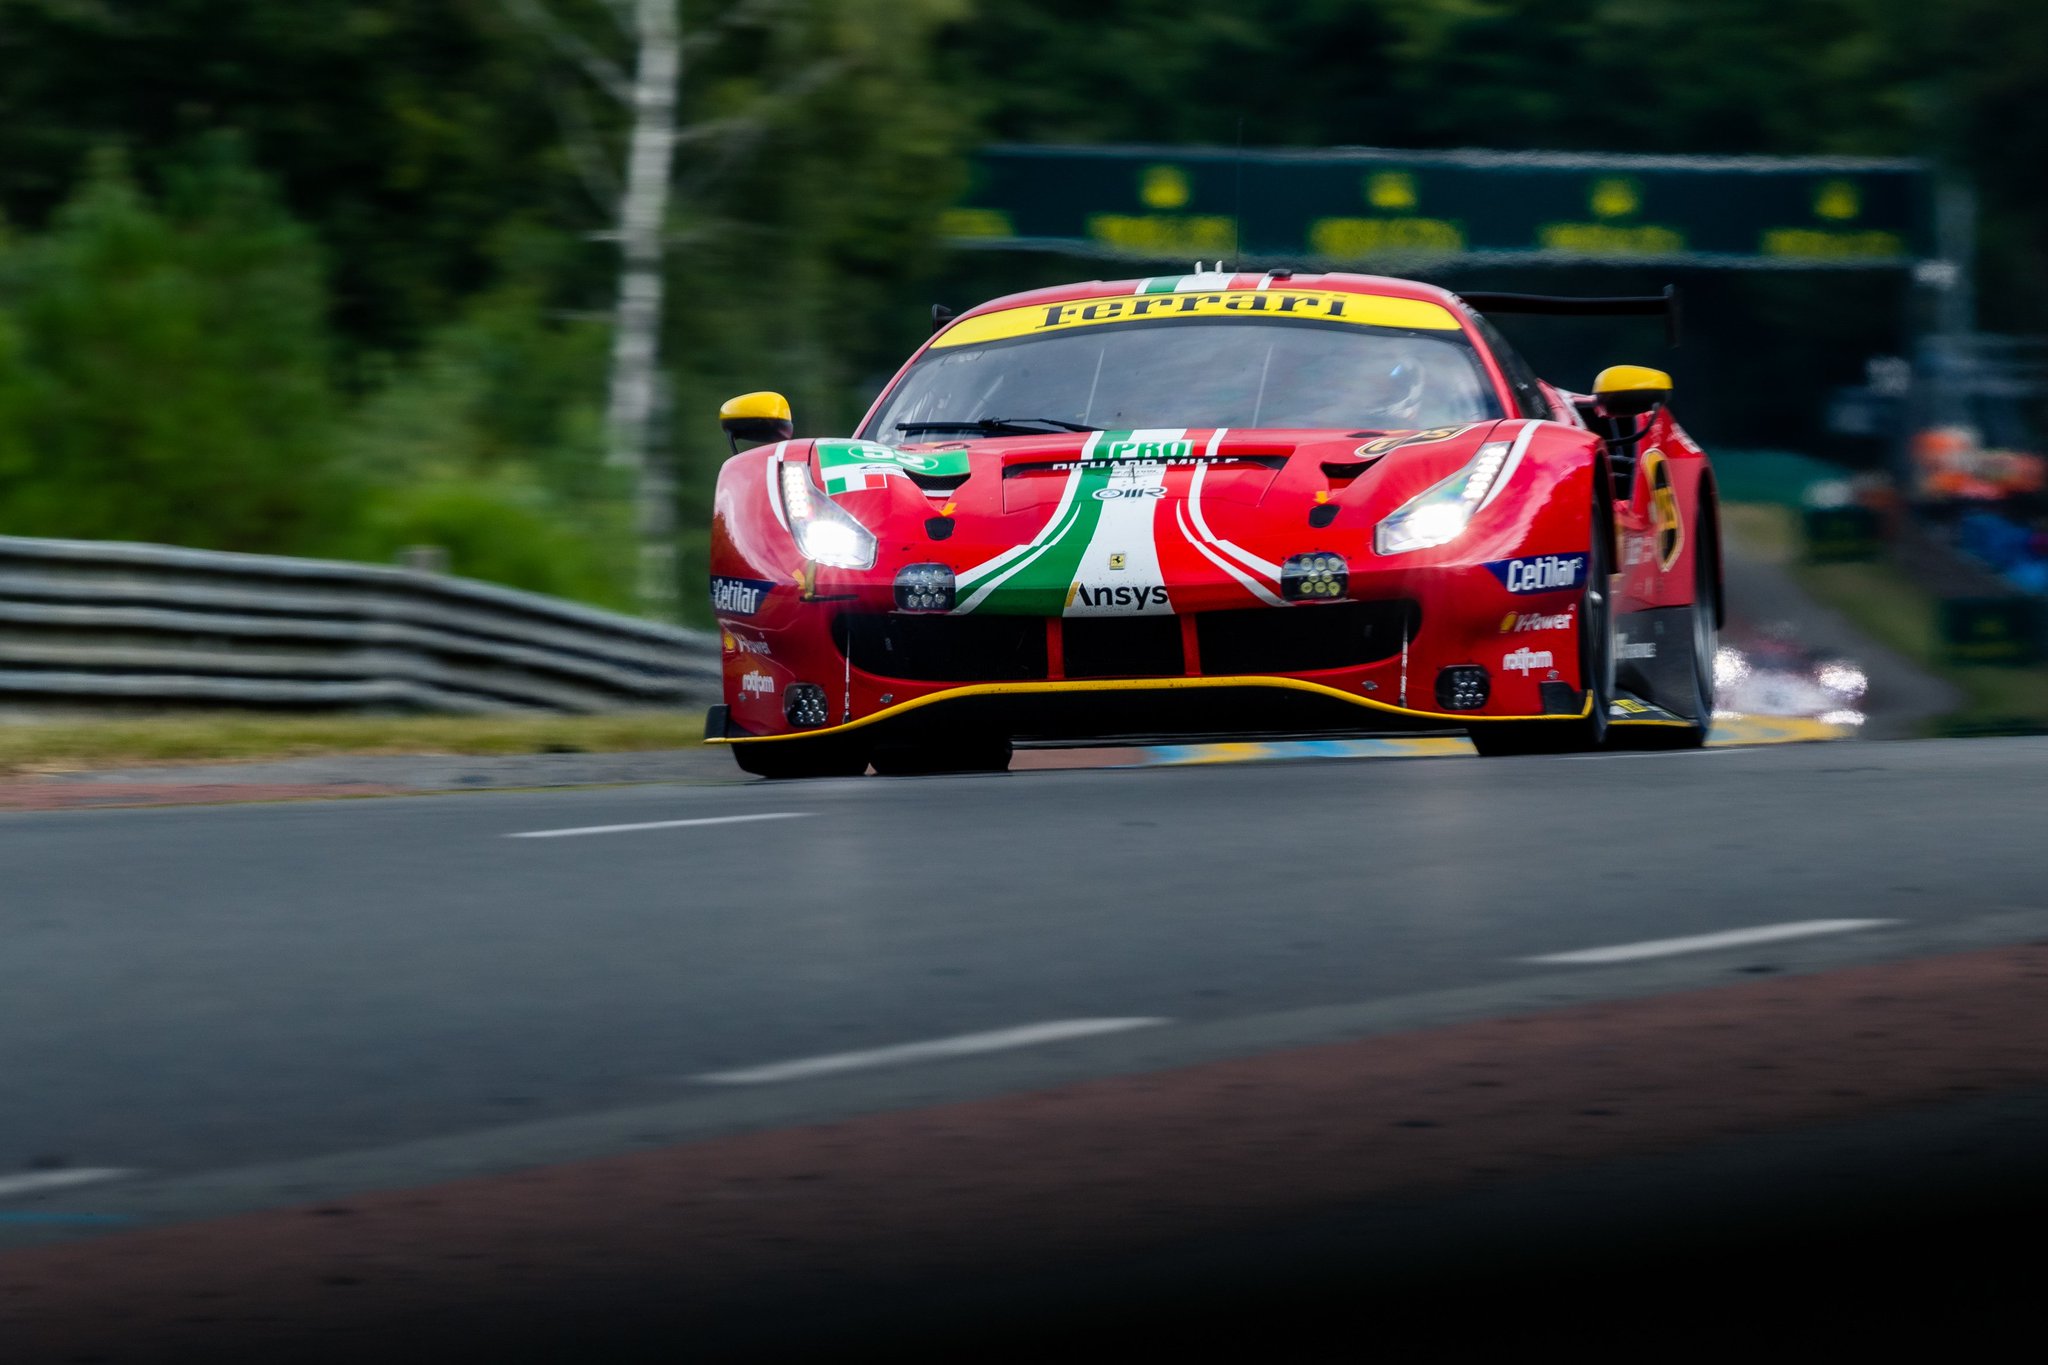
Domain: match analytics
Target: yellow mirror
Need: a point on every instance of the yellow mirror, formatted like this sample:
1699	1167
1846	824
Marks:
762	416
1629	389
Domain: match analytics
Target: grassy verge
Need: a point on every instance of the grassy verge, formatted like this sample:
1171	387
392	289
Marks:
1893	609
71	745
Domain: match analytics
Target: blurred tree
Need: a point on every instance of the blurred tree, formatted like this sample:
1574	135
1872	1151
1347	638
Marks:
164	373
405	132
813	156
490	443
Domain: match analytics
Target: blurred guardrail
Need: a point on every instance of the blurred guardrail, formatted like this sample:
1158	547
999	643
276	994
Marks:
90	624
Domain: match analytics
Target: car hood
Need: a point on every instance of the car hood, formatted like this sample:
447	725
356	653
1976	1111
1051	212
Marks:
1022	520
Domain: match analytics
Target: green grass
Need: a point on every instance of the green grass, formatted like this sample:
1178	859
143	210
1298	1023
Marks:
71	745
1894	610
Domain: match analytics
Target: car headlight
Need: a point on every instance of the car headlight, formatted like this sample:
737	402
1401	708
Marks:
824	531
1440	514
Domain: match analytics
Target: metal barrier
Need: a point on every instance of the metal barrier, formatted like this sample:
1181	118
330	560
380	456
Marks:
91	624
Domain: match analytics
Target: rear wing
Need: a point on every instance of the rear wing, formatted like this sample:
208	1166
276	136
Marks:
1664	305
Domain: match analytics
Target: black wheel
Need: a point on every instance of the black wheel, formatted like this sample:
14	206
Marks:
837	756
960	754
1596	666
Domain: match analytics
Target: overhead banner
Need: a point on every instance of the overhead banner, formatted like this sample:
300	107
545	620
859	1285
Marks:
1364	205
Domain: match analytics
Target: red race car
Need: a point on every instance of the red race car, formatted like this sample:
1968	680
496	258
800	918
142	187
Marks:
1218	505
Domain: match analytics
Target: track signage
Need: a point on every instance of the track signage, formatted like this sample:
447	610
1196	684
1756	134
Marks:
1368	204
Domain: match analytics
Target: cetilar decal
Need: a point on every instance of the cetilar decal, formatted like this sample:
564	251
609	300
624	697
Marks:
1540	573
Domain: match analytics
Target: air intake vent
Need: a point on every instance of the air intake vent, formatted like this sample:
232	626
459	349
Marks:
1123	646
1304	639
944	648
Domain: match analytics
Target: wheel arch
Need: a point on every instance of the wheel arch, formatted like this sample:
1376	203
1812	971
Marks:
1708	520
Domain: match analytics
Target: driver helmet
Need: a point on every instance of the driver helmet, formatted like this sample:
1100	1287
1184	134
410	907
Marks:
1392	391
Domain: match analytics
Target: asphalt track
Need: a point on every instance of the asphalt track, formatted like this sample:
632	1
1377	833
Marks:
328	1076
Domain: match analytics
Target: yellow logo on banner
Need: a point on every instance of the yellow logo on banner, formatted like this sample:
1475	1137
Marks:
1615	197
1393	191
1364	310
1839	200
1163	187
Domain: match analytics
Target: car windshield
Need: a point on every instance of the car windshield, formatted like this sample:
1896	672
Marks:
1189	373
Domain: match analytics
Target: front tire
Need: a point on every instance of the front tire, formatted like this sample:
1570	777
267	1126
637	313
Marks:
788	759
1702	642
966	754
1596	666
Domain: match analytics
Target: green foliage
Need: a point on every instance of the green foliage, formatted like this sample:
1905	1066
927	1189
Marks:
488	443
163	375
406	132
503	532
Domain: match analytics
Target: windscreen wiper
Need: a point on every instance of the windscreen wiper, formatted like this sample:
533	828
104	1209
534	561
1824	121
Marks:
999	426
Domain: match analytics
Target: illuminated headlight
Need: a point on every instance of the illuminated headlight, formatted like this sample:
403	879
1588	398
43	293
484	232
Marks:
803	705
1844	678
1316	577
1462	687
924	587
824	532
1440	514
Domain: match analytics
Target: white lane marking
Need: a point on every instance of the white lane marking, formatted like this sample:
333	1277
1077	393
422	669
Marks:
1701	943
656	824
35	1182
961	1045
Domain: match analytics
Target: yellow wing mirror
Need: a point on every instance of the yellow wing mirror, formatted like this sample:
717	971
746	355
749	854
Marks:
756	417
1629	390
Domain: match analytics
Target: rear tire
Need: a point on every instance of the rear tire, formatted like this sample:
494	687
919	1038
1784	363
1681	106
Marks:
961	754
1596	665
783	760
1702	642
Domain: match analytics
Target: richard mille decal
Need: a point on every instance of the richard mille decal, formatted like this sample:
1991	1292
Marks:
1183	459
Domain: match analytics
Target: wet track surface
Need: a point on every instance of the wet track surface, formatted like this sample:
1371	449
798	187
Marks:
213	1012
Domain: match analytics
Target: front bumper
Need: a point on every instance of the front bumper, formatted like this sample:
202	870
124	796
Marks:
1376	663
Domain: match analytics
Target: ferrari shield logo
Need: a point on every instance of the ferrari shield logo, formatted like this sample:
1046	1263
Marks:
1116	561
